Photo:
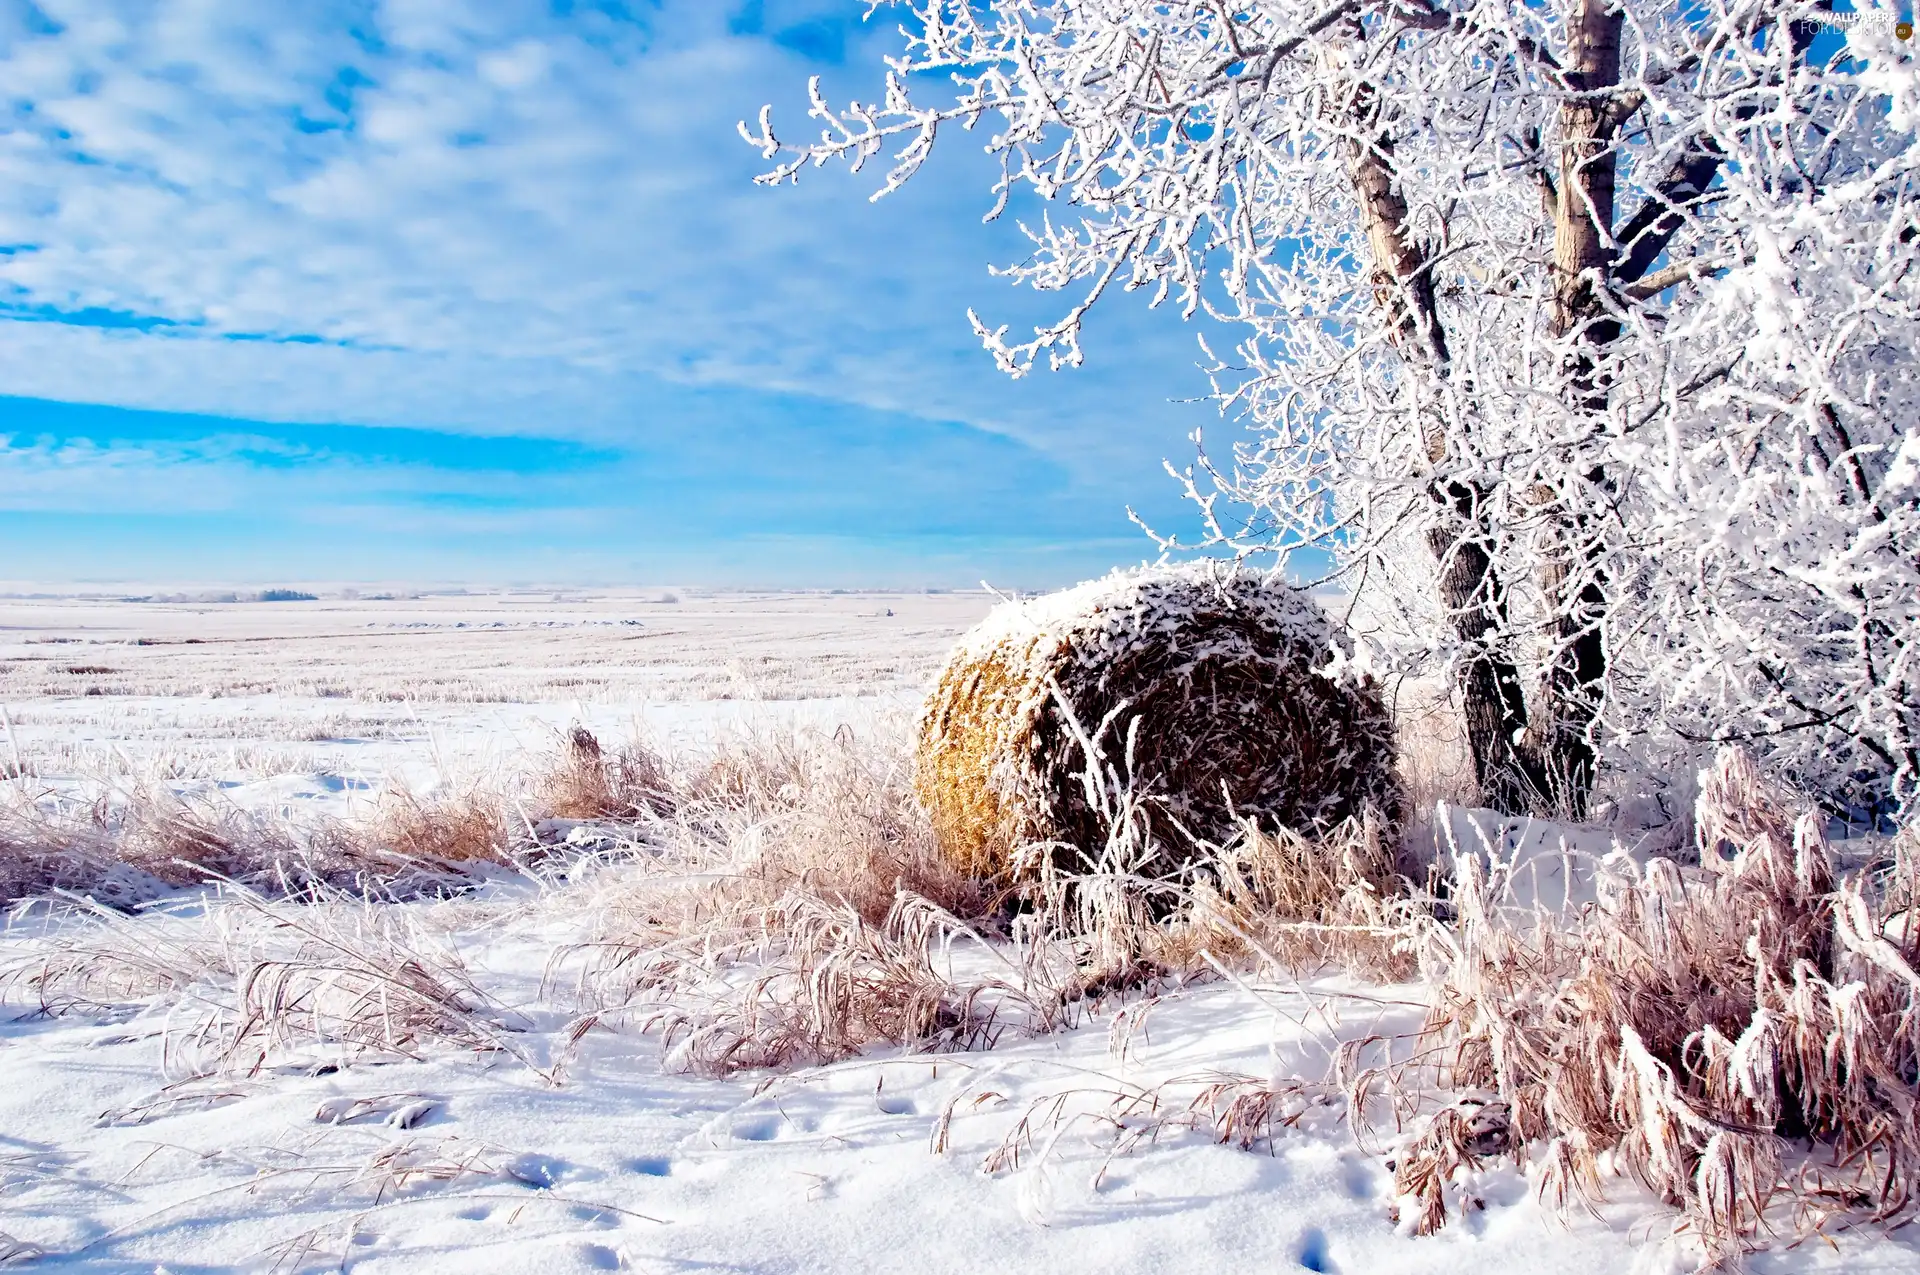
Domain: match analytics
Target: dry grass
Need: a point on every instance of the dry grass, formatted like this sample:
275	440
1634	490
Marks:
587	782
778	902
1296	902
122	852
128	850
821	983
1743	1039
347	986
116	962
465	828
134	838
792	904
260	984
831	812
785	889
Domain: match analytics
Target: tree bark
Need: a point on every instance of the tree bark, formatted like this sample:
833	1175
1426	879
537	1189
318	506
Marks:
1492	692
1558	744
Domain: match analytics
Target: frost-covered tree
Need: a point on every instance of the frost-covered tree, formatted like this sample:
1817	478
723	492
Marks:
1579	332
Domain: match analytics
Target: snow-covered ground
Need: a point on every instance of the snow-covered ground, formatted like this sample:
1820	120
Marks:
580	1152
313	704
563	1157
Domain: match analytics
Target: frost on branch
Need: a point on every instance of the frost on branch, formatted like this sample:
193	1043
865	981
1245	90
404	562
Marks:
1579	332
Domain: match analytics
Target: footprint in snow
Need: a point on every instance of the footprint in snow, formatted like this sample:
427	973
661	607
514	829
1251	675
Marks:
1313	1254
653	1166
762	1129
1359	1177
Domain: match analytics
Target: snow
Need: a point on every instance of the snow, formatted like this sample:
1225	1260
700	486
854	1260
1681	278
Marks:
1531	862
1118	610
313	707
559	1155
622	1166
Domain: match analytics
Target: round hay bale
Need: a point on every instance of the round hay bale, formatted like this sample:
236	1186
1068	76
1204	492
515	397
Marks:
1215	663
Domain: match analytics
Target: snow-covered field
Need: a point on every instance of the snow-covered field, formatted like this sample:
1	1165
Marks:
308	704
557	1140
466	1163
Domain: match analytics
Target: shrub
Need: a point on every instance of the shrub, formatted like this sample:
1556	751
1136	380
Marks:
1701	1029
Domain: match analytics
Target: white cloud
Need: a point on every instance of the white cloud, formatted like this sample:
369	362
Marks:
84	476
490	209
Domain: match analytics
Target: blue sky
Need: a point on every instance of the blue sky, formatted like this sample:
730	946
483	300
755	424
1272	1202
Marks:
484	291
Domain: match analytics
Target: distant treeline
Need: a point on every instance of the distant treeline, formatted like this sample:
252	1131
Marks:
264	595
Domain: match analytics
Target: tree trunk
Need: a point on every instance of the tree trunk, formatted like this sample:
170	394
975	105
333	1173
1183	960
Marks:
1559	735
1492	693
1473	596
